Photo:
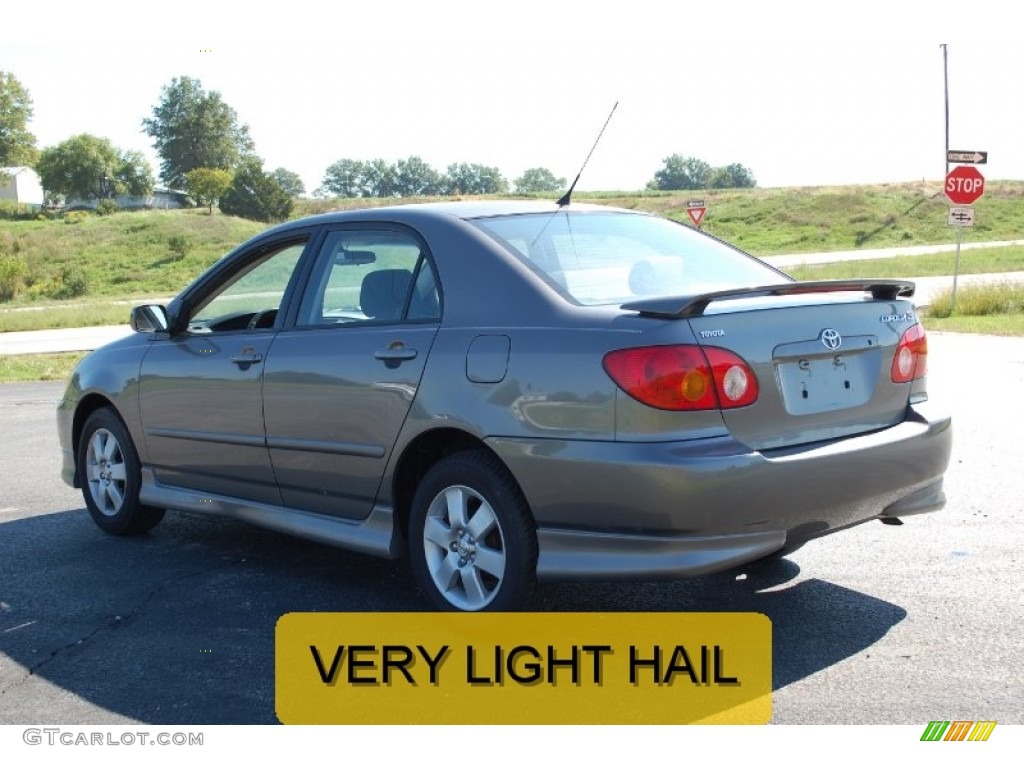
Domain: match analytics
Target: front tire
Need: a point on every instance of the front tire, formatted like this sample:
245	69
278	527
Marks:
111	476
472	538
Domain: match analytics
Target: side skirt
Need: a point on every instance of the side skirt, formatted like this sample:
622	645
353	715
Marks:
376	535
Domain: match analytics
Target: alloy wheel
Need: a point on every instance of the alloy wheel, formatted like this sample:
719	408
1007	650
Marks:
106	473
464	548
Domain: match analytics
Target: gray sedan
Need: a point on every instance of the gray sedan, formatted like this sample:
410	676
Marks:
512	391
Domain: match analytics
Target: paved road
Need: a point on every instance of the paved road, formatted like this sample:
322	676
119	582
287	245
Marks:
60	339
876	625
881	253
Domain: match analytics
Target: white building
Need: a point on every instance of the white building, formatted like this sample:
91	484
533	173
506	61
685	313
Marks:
161	197
22	185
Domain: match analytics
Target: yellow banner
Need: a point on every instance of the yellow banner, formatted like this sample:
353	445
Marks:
523	668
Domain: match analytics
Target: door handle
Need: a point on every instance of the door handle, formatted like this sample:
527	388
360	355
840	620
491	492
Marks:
246	358
395	354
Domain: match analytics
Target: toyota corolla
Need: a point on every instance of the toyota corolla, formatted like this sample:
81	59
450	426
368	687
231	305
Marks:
513	391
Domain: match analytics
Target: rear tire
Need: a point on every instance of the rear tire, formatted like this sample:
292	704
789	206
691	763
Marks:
472	539
111	476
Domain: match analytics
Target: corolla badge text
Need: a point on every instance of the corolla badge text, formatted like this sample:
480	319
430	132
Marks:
899	317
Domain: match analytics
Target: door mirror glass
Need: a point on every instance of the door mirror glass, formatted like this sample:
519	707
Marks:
149	318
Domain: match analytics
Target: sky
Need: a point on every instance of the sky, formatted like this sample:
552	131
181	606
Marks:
802	94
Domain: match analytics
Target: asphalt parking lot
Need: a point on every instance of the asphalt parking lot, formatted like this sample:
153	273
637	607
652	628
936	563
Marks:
877	625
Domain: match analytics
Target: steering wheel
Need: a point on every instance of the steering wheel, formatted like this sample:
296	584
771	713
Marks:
257	320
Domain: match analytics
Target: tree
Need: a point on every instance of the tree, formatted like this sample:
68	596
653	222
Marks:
378	179
207	185
414	177
474	179
290	182
88	167
192	128
680	172
17	144
536	180
733	176
255	195
344	178
135	174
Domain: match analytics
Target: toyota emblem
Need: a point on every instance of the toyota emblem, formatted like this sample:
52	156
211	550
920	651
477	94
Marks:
831	339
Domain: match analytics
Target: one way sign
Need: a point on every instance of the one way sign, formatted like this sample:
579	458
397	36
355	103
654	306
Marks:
959	156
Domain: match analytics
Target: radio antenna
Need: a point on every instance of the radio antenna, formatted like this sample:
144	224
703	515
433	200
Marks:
566	198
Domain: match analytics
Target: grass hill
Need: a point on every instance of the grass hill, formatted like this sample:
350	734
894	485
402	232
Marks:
774	221
77	270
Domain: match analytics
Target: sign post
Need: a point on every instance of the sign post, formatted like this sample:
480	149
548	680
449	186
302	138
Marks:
964	185
696	210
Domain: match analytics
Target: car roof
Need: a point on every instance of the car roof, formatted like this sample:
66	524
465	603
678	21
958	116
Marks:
461	209
472	209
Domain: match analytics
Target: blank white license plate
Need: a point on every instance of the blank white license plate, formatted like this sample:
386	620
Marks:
825	383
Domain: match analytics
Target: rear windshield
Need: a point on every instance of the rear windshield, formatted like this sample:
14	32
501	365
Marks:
611	258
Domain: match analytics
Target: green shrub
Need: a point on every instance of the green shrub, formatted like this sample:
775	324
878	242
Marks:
13	211
106	207
1003	298
71	283
75	217
9	243
12	275
179	246
255	195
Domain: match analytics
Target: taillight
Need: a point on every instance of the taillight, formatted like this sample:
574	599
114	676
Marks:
911	359
683	377
734	379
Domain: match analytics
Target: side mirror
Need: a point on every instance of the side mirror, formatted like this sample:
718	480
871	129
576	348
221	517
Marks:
150	318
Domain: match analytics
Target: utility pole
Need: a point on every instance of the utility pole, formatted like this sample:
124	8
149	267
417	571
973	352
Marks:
945	87
959	230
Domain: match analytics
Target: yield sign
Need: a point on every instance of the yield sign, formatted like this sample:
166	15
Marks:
697	214
964	185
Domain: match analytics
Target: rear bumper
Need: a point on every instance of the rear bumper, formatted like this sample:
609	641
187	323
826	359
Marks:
617	510
582	554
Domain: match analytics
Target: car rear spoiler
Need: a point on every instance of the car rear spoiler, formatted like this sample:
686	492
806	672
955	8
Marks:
694	306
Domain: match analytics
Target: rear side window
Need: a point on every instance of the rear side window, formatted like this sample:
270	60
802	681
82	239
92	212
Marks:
365	276
611	258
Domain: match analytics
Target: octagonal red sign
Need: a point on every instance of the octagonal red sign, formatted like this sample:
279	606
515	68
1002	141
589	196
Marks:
964	185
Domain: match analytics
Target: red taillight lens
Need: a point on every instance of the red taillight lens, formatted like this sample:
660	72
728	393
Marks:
683	377
911	359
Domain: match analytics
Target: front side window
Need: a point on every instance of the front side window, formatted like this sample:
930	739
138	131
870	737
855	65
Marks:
599	258
369	277
252	296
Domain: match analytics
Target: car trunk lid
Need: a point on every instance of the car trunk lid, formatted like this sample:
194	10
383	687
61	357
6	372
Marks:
822	353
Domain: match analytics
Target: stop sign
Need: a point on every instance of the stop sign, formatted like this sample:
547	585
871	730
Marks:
964	185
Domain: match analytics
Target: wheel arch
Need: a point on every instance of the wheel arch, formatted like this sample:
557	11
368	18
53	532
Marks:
423	453
87	406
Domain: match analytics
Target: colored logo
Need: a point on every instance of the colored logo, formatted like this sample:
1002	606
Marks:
958	730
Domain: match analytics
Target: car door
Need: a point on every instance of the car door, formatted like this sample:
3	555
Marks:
201	399
339	382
